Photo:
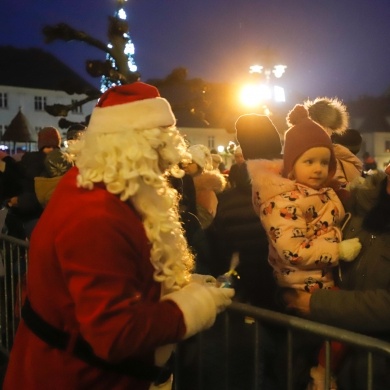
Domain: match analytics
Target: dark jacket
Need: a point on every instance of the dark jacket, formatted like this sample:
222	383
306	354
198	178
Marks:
363	303
237	228
9	175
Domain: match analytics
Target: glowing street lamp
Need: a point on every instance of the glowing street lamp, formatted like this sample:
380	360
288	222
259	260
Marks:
261	92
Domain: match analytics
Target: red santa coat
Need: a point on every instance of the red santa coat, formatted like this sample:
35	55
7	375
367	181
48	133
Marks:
90	274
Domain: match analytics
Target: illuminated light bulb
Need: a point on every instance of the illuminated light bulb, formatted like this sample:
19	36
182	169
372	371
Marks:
279	95
279	70
255	69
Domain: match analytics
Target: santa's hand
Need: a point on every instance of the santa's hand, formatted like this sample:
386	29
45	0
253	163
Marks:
349	249
200	305
203	279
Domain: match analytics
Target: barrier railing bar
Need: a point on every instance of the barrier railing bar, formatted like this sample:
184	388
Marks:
326	331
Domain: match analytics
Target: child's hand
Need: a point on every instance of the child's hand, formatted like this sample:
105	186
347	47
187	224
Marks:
349	249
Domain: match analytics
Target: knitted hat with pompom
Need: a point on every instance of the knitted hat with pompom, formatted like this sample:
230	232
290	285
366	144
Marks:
49	137
304	134
330	113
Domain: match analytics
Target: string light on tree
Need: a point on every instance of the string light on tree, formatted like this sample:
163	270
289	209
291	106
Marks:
119	41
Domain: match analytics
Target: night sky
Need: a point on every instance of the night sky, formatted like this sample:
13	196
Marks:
331	47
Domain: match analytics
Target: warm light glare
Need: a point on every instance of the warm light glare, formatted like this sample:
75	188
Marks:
253	95
279	95
220	149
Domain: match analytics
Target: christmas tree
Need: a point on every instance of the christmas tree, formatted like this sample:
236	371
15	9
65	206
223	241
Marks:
120	45
117	69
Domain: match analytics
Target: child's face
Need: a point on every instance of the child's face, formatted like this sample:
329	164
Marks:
312	167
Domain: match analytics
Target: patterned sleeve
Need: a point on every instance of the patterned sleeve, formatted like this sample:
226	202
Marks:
300	241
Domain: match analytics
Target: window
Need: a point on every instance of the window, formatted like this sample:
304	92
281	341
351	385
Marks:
211	142
39	103
77	110
3	100
387	146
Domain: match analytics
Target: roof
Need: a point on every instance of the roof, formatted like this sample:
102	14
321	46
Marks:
19	130
35	68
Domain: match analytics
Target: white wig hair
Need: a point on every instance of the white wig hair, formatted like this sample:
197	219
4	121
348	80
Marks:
132	164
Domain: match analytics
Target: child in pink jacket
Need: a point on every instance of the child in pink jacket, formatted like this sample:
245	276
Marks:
300	212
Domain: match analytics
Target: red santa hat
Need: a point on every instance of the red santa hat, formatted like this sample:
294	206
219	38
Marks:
136	106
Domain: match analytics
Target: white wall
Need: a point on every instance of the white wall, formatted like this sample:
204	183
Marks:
23	98
375	144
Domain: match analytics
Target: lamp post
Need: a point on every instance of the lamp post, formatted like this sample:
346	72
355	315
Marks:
262	89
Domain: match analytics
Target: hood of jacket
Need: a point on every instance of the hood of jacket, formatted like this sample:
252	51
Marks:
350	165
266	178
210	180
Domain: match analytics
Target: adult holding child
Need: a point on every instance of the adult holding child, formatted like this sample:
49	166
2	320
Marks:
363	300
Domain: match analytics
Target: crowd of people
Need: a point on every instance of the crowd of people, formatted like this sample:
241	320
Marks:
129	228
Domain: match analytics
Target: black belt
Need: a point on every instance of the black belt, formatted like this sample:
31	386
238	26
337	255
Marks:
59	339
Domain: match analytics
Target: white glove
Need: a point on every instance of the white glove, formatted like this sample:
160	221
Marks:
349	249
200	305
208	280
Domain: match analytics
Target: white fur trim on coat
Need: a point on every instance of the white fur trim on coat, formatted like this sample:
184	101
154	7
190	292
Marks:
139	115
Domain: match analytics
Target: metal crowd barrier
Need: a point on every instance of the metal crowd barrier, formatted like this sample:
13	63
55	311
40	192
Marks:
241	368
210	355
13	268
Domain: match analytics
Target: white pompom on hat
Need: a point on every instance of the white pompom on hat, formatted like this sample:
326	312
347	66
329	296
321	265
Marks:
201	155
330	113
135	106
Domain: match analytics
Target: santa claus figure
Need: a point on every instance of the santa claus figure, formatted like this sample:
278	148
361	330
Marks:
109	284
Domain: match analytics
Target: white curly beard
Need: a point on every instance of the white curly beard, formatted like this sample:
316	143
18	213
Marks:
129	164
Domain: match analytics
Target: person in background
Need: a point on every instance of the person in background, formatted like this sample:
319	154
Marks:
56	163
9	186
74	133
217	162
350	138
363	300
332	115
369	164
236	228
208	183
238	168
109	284
300	213
24	208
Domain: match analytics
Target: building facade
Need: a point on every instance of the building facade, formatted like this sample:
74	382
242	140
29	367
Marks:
31	103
